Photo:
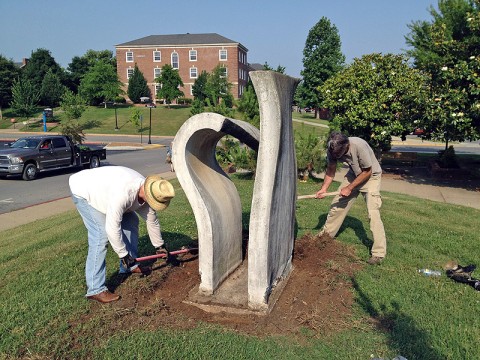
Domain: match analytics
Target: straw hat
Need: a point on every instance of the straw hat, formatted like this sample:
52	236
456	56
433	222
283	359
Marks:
158	192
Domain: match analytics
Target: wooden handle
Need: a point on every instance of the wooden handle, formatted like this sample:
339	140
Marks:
312	196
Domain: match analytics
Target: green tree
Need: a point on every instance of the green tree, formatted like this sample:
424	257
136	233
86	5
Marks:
280	69
38	65
8	73
218	87
25	98
199	90
197	107
80	65
100	83
137	86
248	105
322	58
376	97
73	130
135	118
73	105
52	89
310	153
447	49
170	82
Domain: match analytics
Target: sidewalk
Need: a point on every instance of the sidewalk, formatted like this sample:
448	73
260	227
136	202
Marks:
443	194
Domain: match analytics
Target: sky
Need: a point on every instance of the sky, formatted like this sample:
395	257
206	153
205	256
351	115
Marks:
272	31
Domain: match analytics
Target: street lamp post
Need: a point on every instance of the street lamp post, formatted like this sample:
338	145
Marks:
150	128
116	122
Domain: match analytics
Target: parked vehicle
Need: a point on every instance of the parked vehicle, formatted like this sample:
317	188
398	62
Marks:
33	154
151	105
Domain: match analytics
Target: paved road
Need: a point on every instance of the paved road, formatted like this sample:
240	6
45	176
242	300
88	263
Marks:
17	194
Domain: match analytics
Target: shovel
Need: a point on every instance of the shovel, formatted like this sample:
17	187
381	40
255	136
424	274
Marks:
312	196
156	256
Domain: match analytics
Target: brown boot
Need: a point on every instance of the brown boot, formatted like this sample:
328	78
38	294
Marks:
104	297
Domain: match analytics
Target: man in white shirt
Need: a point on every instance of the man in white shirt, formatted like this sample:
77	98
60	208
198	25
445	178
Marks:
108	199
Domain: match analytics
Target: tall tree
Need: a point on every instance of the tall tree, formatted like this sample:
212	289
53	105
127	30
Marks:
322	58
80	65
447	49
199	90
218	87
376	97
100	83
137	86
73	105
39	63
52	89
170	82
25	98
8	73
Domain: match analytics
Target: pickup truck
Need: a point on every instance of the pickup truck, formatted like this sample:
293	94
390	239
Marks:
33	154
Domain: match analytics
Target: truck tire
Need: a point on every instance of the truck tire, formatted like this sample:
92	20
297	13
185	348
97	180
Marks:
30	172
94	162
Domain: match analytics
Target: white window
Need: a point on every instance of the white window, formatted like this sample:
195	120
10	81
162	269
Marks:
193	55
222	55
191	90
193	73
175	60
157	56
157	72
129	56
129	73
223	72
157	88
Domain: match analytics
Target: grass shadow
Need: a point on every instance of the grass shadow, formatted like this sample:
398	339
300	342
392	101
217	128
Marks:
91	124
405	337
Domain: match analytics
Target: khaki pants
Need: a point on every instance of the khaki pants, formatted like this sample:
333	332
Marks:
341	205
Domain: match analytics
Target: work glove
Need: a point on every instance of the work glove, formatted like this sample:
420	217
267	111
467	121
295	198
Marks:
128	261
161	250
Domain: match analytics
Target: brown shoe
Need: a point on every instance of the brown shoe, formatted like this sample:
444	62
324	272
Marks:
104	297
375	260
142	270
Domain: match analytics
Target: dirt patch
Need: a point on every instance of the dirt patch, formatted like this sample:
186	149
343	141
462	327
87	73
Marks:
317	297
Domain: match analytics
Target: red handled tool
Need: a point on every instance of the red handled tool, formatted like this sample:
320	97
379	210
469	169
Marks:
156	256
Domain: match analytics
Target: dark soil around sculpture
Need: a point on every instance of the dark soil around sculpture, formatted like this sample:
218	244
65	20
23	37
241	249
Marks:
317	299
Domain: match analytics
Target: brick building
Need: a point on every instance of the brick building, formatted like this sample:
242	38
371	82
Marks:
189	53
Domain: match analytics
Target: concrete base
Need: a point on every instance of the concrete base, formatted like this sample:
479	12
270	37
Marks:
232	296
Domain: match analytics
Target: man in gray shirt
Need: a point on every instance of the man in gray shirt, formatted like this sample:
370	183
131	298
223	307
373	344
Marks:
364	176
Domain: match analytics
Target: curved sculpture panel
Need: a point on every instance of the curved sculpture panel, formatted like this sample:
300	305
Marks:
214	199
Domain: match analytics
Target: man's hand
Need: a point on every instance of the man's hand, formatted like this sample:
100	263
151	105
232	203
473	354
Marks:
320	194
128	261
346	191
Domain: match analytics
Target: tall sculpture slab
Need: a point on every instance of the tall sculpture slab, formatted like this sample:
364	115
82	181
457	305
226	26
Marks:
272	218
214	199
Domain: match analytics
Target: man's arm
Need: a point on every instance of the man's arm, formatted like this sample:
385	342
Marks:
360	179
329	176
153	225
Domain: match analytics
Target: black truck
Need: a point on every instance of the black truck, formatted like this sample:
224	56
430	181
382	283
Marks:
33	154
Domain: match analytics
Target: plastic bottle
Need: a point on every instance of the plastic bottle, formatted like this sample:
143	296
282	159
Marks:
429	272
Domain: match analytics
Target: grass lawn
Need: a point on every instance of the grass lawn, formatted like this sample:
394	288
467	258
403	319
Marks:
165	121
396	312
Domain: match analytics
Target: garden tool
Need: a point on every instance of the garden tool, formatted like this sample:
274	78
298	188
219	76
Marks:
172	253
312	196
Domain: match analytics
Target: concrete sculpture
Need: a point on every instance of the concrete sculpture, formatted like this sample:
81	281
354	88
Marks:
216	203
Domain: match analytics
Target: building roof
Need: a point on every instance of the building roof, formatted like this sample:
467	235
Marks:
181	40
256	66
